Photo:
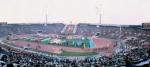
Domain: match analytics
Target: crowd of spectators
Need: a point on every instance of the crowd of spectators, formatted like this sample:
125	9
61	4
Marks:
8	29
21	58
136	39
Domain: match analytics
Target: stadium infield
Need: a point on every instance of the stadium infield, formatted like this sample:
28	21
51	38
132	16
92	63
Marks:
65	53
47	40
101	44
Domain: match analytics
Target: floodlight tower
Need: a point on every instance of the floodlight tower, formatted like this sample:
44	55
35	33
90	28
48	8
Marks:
46	14
45	20
99	12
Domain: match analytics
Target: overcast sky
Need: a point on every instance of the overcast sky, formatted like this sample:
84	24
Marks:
113	11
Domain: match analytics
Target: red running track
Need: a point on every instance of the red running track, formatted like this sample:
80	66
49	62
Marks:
49	48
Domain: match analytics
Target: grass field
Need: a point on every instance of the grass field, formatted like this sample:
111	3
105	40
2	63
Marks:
77	53
46	41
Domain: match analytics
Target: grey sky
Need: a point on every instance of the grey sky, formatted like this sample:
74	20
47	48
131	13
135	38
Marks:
113	11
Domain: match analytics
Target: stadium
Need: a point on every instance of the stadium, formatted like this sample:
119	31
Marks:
67	42
74	33
74	45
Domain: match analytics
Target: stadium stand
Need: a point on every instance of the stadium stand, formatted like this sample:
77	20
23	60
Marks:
136	50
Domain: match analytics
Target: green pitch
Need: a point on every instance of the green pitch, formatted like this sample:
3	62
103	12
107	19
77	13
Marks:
84	43
77	53
46	40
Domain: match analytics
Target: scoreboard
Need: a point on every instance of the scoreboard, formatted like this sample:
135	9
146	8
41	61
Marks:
146	25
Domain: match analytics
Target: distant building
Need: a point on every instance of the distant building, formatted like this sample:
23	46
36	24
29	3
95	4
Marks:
146	25
3	23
